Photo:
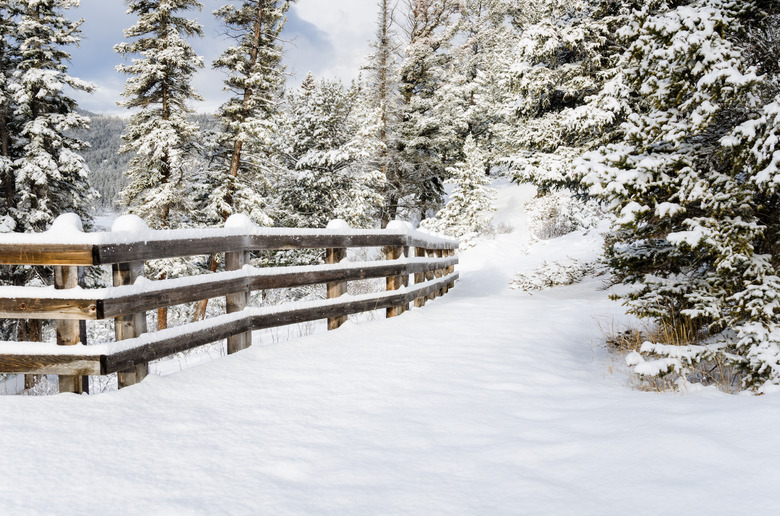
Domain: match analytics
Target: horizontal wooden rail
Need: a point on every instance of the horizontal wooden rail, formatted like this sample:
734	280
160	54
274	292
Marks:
107	303
101	359
110	248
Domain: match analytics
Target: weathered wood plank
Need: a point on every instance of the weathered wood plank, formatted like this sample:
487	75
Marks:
111	253
38	254
162	345
44	308
68	365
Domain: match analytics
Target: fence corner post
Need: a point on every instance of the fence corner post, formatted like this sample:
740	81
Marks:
65	277
132	325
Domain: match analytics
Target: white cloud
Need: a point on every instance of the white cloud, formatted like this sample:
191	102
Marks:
328	37
348	26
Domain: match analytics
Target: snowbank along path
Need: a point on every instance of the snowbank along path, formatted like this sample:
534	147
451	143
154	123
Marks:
488	401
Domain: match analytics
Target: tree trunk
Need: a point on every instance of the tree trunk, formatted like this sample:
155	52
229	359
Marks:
235	160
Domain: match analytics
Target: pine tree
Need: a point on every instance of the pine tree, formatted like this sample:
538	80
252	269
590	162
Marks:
330	142
569	92
469	208
159	87
51	176
381	93
429	138
250	118
693	185
8	61
481	74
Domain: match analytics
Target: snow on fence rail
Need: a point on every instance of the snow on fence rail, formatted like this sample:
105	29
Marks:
130	244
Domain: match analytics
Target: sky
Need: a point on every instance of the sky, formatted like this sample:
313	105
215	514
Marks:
330	38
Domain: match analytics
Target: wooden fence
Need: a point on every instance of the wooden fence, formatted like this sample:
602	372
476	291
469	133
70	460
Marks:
432	267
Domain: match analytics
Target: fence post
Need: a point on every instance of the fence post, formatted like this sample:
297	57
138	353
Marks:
335	255
65	277
419	277
429	275
237	302
336	288
451	268
394	282
440	273
405	277
132	325
68	331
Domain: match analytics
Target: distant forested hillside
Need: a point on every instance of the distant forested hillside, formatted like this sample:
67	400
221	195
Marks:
106	164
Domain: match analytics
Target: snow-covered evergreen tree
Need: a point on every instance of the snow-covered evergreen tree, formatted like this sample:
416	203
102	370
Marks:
330	143
250	118
470	207
381	93
481	73
8	131
159	88
570	93
50	176
433	122
694	183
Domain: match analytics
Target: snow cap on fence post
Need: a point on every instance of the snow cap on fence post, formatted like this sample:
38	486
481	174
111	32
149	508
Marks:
338	224
240	221
129	224
67	223
400	226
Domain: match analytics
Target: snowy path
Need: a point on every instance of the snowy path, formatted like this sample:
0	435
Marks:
487	401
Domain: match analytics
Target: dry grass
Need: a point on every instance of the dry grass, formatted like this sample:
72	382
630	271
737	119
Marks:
680	334
712	371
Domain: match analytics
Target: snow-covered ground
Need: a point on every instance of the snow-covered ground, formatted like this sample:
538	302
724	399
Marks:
488	401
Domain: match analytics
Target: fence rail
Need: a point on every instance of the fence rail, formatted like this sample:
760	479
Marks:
128	300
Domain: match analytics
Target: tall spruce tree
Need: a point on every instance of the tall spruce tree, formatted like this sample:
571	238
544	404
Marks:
570	95
470	207
159	88
8	133
251	117
330	142
51	176
481	74
165	142
694	183
429	138
381	93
